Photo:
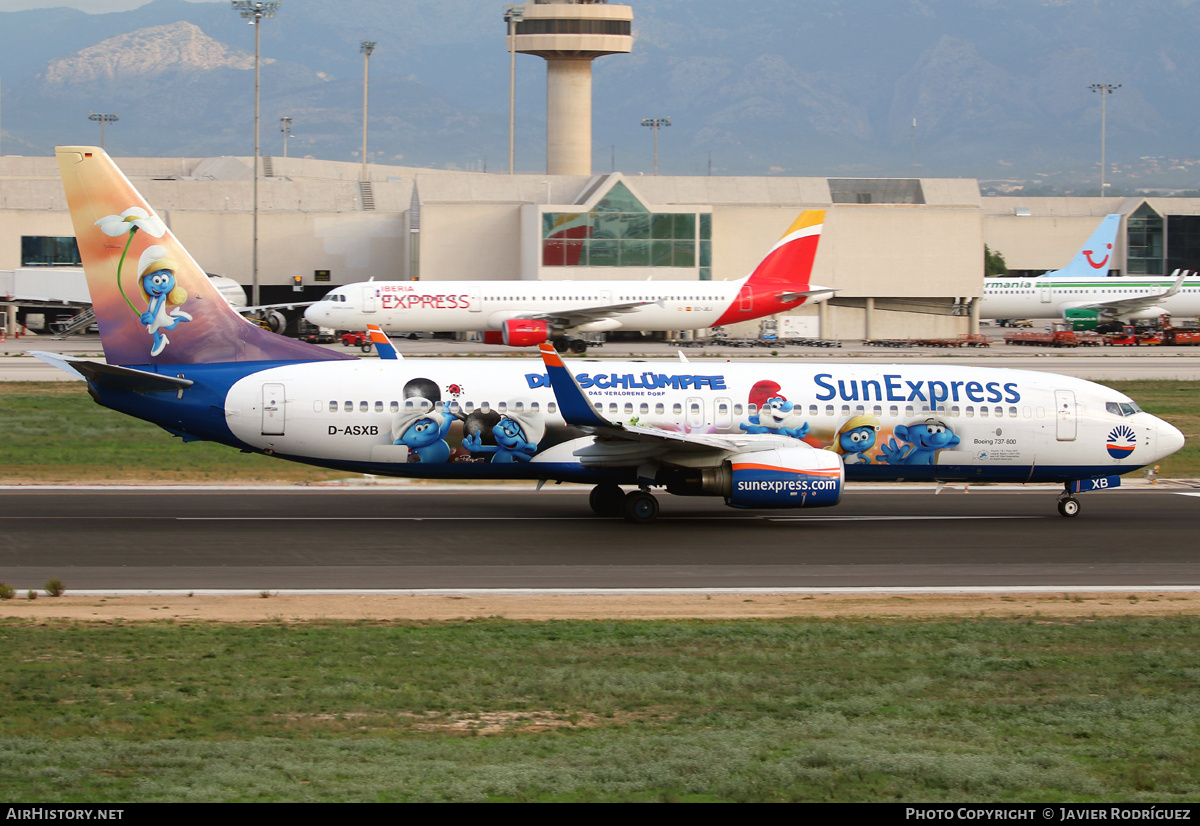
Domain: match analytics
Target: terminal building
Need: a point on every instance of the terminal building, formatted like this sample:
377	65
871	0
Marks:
905	255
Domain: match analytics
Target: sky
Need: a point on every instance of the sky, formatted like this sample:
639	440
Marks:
89	6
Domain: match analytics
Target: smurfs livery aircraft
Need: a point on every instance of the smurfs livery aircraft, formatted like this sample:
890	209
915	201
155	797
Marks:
524	313
759	435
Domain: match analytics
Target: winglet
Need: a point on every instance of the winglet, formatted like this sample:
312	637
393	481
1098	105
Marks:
383	344
573	403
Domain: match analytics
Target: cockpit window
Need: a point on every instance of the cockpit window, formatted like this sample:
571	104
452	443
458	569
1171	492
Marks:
1127	409
1113	408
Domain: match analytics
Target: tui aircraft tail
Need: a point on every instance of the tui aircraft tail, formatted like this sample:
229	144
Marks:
1095	257
153	303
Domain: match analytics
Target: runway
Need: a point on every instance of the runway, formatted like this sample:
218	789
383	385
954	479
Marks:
408	538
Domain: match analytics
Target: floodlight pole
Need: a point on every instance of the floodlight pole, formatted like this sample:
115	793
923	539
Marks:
254	11
103	119
367	47
512	15
285	126
1105	89
656	124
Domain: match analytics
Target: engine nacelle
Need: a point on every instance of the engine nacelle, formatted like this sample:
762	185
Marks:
524	332
793	477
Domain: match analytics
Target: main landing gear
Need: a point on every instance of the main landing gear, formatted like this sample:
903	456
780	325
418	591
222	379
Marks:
638	506
1068	505
575	345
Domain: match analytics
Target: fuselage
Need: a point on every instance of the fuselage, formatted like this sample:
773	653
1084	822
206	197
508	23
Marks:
1048	297
452	306
887	422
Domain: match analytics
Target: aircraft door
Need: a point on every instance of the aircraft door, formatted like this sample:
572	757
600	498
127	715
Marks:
473	297
1045	294
274	409
747	298
368	298
1064	403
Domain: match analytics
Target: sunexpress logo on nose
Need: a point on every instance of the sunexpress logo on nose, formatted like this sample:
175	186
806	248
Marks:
1121	441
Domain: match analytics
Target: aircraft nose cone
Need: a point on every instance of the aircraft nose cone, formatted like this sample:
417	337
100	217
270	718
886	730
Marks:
1170	440
310	315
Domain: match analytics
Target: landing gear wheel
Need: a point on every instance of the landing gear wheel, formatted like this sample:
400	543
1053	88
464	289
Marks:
607	500
560	345
1068	506
366	348
640	507
578	346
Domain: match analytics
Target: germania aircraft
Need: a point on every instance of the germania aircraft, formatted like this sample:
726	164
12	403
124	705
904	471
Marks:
1082	289
524	313
758	435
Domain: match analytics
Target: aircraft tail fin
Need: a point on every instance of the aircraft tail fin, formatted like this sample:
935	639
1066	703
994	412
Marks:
789	263
153	302
1095	256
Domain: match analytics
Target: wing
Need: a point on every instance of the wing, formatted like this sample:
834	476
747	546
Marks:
1118	306
626	445
583	315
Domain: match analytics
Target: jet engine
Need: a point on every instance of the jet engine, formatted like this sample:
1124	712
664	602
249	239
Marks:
793	477
524	332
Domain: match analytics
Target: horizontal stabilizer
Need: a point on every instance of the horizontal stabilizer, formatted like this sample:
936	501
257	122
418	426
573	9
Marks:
110	375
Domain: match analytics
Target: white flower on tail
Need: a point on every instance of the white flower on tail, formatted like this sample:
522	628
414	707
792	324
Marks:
131	219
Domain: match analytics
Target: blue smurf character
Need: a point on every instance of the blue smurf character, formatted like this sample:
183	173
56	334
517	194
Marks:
163	296
855	439
773	410
516	435
925	440
423	431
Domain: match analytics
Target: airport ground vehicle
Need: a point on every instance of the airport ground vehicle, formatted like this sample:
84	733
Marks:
353	338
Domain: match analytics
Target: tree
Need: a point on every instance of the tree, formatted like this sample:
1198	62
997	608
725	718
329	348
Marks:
993	263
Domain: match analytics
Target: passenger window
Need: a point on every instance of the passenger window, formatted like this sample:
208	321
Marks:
677	409
983	412
394	406
659	409
829	410
347	407
970	411
317	407
612	408
333	407
644	408
378	407
1012	412
551	407
362	407
628	408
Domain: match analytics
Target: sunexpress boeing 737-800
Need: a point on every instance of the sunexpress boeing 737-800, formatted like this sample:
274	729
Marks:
1082	289
758	435
525	313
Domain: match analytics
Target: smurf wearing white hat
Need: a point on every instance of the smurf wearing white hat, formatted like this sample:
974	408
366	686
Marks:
516	434
156	277
422	430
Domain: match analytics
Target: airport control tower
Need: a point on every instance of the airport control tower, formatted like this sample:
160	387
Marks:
570	34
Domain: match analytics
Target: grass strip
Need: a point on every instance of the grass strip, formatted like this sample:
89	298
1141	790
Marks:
494	710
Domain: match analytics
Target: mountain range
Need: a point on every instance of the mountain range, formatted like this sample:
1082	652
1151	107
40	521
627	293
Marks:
996	89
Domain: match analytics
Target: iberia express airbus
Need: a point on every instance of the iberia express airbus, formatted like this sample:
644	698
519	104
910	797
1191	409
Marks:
524	313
